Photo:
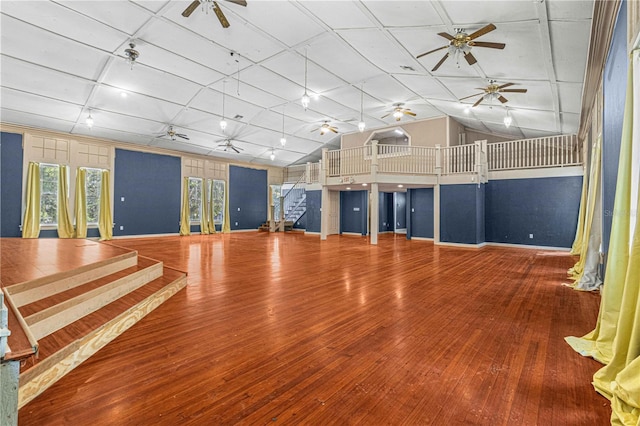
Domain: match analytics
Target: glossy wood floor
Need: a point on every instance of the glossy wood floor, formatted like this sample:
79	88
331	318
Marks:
286	329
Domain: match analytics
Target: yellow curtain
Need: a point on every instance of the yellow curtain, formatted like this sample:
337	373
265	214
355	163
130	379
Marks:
204	207
615	341
65	226
31	222
81	203
594	179
226	224
576	247
210	218
185	223
105	221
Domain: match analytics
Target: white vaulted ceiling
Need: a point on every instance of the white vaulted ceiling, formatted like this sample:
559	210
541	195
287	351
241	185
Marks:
61	59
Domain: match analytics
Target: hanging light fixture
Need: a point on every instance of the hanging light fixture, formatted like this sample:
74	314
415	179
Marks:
132	54
283	140
305	98
361	124
273	154
507	120
223	122
89	120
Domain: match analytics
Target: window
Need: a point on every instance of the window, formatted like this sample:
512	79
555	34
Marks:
49	175
93	186
195	199
276	190
218	200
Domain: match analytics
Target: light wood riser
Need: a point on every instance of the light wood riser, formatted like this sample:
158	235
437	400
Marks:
44	374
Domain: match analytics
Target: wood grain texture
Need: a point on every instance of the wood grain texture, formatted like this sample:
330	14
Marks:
284	328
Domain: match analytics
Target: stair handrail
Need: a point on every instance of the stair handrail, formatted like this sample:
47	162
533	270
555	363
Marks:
285	200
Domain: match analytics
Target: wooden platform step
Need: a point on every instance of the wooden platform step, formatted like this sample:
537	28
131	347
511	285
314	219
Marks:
71	312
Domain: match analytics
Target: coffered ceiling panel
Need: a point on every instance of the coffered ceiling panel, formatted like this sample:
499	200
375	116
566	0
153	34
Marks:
60	59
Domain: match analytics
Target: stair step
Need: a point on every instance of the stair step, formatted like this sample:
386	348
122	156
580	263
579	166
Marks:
64	349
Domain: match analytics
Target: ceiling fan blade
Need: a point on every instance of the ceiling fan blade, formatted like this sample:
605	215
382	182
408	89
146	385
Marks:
482	31
235	149
470	58
478	101
487	44
505	85
385	116
240	2
503	99
471	96
413	114
447	36
444	58
333	129
220	15
431	51
189	10
180	135
513	91
315	130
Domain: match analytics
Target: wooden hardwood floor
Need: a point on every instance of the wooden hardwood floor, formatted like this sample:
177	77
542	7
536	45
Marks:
284	328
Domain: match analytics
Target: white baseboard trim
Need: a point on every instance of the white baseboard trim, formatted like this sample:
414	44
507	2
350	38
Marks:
357	234
311	233
461	245
421	238
244	230
145	236
527	246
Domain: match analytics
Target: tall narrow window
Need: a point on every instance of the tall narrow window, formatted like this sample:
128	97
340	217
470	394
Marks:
276	191
195	199
93	184
218	201
49	175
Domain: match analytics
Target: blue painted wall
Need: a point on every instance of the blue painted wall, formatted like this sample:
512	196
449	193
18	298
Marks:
150	185
247	197
353	211
460	220
614	87
385	212
401	210
545	207
313	214
421	212
10	184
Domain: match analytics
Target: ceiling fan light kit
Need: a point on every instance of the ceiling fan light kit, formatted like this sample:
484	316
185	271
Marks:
131	53
89	120
214	7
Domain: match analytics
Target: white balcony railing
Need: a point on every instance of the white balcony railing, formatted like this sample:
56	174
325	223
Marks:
556	151
553	151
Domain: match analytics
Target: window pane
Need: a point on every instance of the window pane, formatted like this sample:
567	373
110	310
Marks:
218	201
93	186
276	190
48	194
195	198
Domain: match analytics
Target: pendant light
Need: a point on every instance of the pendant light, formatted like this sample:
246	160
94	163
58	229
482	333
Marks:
507	120
223	122
283	140
89	120
305	98
273	154
361	124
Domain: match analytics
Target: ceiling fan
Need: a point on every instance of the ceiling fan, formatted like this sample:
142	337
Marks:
398	111
462	42
173	134
227	144
493	92
211	4
325	128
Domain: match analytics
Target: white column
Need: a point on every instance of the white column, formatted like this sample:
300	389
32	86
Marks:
374	197
325	209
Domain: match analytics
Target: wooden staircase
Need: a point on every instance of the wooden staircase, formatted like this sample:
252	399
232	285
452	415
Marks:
274	226
74	313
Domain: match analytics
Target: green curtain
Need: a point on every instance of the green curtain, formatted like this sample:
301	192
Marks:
204	209
185	223
105	221
615	341
31	222
65	226
81	203
226	224
578	269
